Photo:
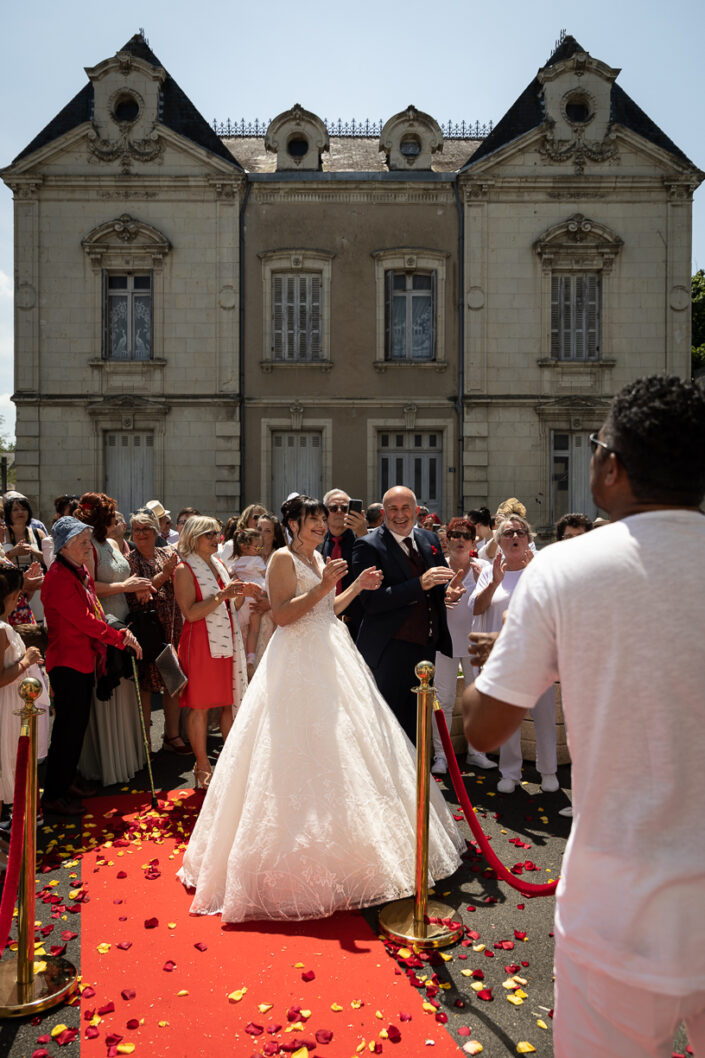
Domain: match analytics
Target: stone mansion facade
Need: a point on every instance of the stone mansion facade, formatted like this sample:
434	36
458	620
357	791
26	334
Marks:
213	319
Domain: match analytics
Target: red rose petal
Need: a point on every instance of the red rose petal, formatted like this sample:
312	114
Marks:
121	874
403	1017
293	1013
133	1023
57	949
41	1053
128	993
271	1029
67	1036
169	965
88	992
520	907
113	1039
107	1008
308	975
512	968
463	1030
254	1030
479	975
486	994
151	923
519	934
124	945
43	1039
441	1016
200	946
393	1032
323	1035
270	1048
473	934
91	1032
68	934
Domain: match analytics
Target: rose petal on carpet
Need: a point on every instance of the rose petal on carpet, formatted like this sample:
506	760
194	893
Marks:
175	984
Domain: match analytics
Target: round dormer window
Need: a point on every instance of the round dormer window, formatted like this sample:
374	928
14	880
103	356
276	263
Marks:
297	147
126	109
410	146
578	109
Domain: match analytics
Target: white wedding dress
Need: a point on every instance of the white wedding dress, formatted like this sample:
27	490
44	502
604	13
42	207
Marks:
312	804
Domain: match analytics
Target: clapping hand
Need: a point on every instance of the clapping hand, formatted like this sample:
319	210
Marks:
498	568
370	579
170	564
455	589
335	570
33	578
480	646
434	576
249	589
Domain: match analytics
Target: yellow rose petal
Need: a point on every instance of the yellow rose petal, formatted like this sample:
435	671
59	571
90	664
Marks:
40	967
466	973
183	992
57	1030
521	994
336	1007
171	925
264	1007
477	986
445	956
515	1000
236	996
95	1020
125	1048
104	948
403	953
524	1047
479	947
301	1052
429	1007
162	1024
378	1014
542	1024
472	1047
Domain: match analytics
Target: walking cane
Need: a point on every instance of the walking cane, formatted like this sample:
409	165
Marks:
145	737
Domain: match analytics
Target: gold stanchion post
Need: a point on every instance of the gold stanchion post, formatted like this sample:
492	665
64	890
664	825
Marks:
25	989
406	921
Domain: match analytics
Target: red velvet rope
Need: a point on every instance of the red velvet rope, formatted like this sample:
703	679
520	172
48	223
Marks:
525	888
14	865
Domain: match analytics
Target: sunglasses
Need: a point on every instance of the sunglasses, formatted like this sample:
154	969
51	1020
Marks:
342	507
509	533
453	535
596	443
211	534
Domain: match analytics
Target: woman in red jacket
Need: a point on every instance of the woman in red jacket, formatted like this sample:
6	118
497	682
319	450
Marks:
78	641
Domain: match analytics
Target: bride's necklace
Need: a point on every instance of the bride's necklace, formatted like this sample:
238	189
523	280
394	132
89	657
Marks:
310	562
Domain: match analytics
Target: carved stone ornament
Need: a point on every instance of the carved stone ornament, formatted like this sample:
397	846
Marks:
124	148
116	235
409	411
578	243
679	298
25	296
296	411
579	149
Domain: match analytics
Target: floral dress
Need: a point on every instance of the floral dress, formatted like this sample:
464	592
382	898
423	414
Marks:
163	602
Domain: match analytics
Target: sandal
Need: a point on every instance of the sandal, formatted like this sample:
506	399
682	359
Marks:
202	778
170	744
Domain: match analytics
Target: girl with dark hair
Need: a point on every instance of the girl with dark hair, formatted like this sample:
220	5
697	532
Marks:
312	806
482	520
15	666
25	541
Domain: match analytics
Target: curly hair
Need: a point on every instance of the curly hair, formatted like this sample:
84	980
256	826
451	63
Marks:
574	521
656	427
246	538
97	510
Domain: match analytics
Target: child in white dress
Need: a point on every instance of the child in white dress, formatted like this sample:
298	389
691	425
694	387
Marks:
248	566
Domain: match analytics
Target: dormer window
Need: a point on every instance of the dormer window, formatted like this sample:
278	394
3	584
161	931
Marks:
297	147
578	110
298	138
410	146
409	140
126	109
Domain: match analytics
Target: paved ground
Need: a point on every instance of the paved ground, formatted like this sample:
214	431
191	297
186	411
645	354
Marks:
511	936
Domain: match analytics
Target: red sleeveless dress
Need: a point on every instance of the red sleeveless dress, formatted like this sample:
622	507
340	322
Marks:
210	680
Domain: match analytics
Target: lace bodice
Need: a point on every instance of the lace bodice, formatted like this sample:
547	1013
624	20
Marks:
307	578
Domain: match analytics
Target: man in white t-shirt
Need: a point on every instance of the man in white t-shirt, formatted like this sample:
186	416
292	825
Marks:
617	617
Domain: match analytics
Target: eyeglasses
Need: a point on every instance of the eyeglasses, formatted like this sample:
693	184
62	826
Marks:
212	534
596	443
333	507
453	535
509	533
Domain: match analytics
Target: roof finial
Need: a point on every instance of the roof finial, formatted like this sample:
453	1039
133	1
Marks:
561	37
143	35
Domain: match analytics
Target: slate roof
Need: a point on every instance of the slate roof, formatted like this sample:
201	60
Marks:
354	154
177	111
527	114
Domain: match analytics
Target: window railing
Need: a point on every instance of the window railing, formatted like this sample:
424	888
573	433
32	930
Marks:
452	130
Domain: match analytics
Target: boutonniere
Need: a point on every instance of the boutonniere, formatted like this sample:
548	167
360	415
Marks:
434	550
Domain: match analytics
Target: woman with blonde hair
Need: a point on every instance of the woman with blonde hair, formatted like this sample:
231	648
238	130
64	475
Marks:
495	586
211	651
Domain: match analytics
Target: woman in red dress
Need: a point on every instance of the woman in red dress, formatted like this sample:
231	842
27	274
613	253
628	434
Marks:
210	649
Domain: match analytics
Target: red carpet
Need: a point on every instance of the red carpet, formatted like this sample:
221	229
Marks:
184	985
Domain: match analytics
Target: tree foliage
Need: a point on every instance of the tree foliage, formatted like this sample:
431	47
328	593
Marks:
697	287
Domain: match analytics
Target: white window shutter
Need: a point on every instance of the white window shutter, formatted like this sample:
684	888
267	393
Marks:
277	318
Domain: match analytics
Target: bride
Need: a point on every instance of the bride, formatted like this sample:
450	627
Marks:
312	805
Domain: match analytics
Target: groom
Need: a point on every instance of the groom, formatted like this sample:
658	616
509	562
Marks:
404	621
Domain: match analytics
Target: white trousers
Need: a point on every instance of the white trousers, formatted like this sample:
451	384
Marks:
600	1015
445	682
544	717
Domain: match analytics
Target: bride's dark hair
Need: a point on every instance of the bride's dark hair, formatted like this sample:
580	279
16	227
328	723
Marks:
298	508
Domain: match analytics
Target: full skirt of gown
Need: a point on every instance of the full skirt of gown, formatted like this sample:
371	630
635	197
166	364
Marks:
312	805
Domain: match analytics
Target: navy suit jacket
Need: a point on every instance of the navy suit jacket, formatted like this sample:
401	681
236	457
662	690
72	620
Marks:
385	610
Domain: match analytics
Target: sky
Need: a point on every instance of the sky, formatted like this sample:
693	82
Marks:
461	60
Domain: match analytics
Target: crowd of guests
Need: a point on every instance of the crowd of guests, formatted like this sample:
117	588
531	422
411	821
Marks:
90	603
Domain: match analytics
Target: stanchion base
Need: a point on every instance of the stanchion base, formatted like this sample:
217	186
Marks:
49	987
396	921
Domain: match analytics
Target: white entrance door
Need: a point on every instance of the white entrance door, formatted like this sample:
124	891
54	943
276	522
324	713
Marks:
129	468
414	459
296	464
